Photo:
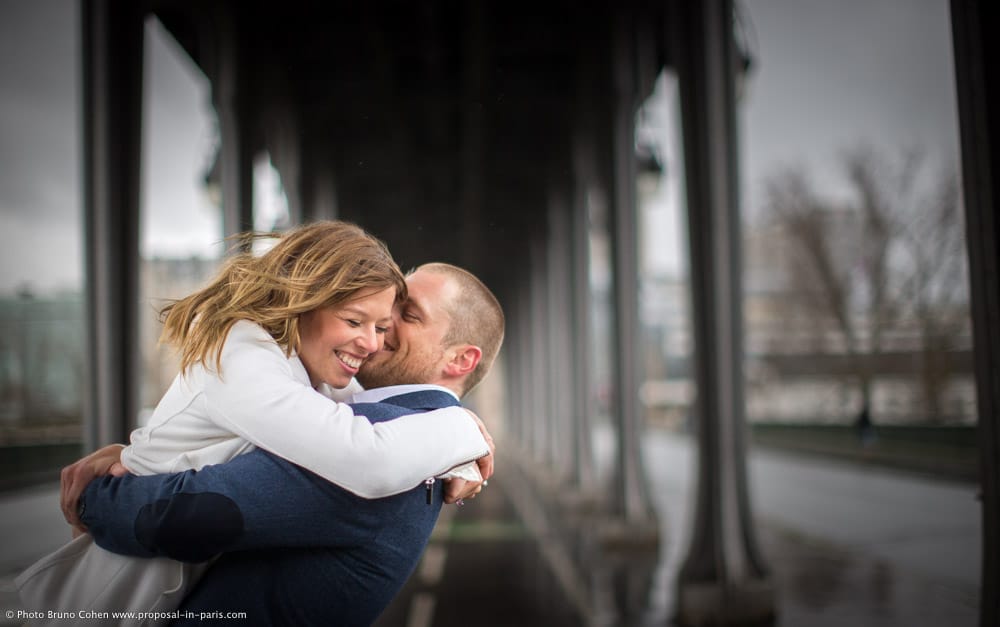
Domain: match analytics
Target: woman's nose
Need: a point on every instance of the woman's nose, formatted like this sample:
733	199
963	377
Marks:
371	340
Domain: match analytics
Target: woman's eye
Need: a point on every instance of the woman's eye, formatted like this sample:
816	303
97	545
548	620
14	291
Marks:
354	323
381	329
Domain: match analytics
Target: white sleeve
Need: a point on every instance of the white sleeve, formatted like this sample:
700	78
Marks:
258	398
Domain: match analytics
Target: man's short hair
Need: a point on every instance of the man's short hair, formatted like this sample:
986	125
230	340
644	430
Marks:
476	318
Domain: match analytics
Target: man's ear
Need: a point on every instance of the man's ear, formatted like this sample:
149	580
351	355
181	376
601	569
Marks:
464	359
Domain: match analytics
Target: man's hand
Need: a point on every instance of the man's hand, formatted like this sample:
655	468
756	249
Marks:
75	477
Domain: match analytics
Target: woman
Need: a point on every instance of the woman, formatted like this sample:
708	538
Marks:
261	347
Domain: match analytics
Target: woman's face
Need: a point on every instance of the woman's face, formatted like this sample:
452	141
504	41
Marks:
336	340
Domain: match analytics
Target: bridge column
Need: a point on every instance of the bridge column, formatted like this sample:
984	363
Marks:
236	132
112	36
318	184
723	579
540	367
973	30
583	472
561	342
631	493
522	359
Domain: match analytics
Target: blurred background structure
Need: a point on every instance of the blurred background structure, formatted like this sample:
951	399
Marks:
747	252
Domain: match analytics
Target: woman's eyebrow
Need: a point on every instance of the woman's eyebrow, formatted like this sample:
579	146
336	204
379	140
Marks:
362	312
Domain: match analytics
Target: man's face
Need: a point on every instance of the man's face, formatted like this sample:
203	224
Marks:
414	350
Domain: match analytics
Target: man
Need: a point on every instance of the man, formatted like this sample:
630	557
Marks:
299	550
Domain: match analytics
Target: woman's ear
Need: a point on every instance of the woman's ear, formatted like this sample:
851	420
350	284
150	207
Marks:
464	360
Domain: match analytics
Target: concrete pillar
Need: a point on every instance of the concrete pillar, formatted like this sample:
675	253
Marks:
973	27
112	36
723	579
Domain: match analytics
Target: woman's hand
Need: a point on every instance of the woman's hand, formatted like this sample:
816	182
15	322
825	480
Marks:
456	490
75	477
485	462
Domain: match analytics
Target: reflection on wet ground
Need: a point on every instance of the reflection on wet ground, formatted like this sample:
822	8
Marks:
864	559
822	585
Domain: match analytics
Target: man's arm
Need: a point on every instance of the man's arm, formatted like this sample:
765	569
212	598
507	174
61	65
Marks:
254	501
74	479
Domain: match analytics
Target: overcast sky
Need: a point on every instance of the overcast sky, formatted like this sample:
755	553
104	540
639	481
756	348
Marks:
826	76
830	75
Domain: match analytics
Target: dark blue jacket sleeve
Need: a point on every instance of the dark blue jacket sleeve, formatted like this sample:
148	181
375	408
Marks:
255	501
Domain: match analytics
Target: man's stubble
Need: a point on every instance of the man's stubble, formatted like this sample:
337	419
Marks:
399	369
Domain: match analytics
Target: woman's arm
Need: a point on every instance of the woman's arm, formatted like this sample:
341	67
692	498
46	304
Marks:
258	398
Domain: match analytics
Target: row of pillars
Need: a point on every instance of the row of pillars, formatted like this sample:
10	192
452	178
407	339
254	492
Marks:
723	577
552	385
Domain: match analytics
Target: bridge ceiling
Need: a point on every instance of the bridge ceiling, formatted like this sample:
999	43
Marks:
443	125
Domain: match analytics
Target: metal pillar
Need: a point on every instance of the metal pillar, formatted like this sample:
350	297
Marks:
584	174
541	372
112	36
724	579
560	341
284	143
522	383
513	364
973	26
236	133
318	185
631	490
582	399
473	120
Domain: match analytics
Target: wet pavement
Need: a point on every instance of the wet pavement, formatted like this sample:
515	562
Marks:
484	568
847	545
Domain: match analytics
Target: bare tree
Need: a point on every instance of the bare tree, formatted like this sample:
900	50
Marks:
887	259
934	290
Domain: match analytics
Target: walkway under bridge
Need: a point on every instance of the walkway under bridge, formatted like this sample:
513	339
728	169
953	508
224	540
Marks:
497	136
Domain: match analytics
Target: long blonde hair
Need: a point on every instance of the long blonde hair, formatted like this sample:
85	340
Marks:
315	265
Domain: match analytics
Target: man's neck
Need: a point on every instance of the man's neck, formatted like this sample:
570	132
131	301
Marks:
375	395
